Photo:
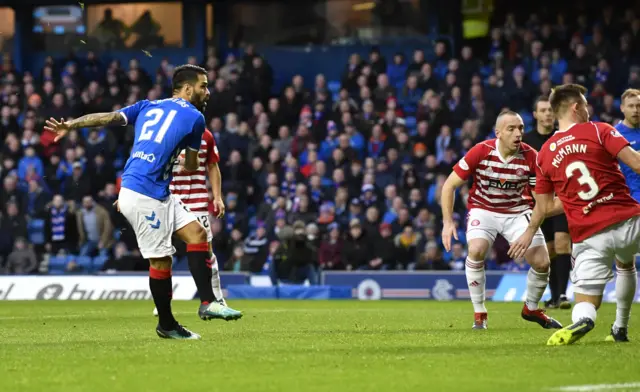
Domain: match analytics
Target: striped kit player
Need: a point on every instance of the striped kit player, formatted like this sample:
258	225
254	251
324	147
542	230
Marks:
500	202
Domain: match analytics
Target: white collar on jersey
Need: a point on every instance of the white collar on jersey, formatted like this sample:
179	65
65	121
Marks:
502	159
565	130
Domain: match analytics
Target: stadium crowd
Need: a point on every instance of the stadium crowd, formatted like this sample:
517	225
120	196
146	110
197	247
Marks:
357	165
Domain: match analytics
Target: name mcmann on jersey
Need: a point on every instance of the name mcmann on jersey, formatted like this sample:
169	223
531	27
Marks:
566	150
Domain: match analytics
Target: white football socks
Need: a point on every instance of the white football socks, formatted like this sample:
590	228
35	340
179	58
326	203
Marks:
626	283
536	284
215	279
476	280
583	310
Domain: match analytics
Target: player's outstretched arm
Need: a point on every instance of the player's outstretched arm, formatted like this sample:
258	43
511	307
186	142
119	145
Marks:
447	200
631	158
87	121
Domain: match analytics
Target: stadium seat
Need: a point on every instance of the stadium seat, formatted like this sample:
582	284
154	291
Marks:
84	262
57	264
35	230
333	86
410	122
97	263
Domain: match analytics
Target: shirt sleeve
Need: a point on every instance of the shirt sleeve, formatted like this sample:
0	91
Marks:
543	182
194	139
212	149
130	113
611	139
532	158
467	165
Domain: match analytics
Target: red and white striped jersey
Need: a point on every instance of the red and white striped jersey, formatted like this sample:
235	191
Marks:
499	185
191	187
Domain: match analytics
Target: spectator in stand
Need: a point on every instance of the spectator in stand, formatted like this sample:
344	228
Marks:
61	230
95	229
22	260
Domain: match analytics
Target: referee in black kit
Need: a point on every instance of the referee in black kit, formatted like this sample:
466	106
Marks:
555	229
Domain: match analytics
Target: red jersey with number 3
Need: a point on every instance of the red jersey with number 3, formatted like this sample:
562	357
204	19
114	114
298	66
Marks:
191	187
581	166
499	185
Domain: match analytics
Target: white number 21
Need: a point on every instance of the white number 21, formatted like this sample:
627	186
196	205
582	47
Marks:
585	179
148	128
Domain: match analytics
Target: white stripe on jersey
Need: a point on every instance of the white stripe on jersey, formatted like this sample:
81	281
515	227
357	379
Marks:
508	166
187	187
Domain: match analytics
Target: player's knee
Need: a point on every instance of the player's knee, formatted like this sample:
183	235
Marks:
199	235
477	249
562	243
161	264
538	258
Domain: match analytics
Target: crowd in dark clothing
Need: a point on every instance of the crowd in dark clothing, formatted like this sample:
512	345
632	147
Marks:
358	169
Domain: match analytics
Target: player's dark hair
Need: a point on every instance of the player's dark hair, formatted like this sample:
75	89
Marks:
541	98
563	96
186	74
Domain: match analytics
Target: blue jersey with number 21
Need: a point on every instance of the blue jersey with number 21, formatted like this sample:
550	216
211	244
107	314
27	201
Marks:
163	129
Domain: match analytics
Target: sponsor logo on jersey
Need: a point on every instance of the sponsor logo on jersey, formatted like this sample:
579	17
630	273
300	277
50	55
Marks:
520	172
146	157
615	133
503	184
565	139
463	164
475	222
552	146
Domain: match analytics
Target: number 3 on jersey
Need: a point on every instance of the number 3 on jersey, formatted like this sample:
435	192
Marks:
149	126
585	179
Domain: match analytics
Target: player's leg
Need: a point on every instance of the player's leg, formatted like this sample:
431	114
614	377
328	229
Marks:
151	221
189	230
537	277
627	238
562	243
215	271
626	284
482	229
547	231
537	256
591	272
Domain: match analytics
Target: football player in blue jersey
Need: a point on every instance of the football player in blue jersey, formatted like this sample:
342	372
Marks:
163	129
630	129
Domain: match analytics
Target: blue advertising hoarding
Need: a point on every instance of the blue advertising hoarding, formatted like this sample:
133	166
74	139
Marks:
408	285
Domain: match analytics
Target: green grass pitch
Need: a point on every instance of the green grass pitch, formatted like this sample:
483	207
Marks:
333	346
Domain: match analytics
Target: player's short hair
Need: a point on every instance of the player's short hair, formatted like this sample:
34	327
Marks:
505	112
563	96
541	98
630	92
186	74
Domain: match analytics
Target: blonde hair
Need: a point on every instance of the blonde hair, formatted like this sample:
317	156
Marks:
630	92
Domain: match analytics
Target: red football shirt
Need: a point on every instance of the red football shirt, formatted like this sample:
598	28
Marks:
191	188
499	185
580	164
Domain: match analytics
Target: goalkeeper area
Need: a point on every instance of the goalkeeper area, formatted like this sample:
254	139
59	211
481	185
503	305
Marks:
305	346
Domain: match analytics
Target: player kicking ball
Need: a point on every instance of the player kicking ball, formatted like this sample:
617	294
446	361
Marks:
163	128
503	171
191	188
580	164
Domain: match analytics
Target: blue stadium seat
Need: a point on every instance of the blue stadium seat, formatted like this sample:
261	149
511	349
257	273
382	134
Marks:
617	102
35	230
527	118
83	261
333	86
97	263
410	122
57	264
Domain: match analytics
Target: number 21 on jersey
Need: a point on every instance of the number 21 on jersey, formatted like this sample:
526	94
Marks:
585	179
154	117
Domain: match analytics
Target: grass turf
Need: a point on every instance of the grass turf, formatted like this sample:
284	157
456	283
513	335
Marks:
301	346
